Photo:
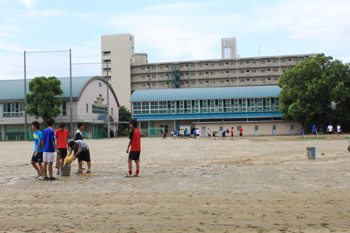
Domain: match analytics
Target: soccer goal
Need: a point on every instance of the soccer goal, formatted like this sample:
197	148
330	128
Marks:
155	132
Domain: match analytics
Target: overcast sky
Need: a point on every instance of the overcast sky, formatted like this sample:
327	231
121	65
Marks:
166	30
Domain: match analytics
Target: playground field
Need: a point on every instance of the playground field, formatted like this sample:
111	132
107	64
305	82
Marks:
257	184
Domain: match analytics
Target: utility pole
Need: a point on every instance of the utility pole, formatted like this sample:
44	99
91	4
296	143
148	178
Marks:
108	123
25	93
71	94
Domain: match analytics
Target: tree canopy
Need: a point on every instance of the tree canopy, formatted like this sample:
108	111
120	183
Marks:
43	101
316	91
124	115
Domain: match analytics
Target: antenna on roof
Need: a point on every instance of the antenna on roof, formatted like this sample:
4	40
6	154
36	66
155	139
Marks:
234	34
259	50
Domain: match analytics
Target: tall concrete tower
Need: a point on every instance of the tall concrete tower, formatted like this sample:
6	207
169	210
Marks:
118	51
228	48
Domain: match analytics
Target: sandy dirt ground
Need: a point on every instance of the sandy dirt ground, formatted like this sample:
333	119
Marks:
262	184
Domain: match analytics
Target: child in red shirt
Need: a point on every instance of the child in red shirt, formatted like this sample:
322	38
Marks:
62	143
135	144
240	132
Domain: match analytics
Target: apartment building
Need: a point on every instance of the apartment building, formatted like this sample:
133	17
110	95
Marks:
129	71
253	71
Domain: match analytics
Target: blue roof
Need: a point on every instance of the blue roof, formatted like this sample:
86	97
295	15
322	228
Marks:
205	93
14	89
195	116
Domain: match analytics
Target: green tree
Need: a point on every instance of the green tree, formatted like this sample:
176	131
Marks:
309	89
43	101
124	115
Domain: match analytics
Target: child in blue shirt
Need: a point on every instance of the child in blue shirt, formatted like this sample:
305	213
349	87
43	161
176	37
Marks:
37	157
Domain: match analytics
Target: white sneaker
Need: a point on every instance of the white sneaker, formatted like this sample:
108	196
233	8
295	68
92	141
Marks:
127	175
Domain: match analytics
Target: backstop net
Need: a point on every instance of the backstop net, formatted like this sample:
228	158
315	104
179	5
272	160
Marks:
155	132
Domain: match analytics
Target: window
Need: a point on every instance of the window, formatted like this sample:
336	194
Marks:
253	62
163	107
99	84
222	81
162	75
248	79
161	67
143	76
154	84
253	79
201	82
227	107
253	71
64	108
137	108
268	69
241	71
193	65
182	83
241	62
262	62
99	109
221	64
289	59
181	75
154	76
247	71
233	63
193	74
181	66
204	106
284	61
154	107
275	79
201	65
233	71
193	83
212	64
143	68
212	73
154	67
220	105
274	61
222	72
274	70
263	71
143	85
233	80
112	111
107	53
212	82
87	108
201	73
145	108
242	80
162	84
263	80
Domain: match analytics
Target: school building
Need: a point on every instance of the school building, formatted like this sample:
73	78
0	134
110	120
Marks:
89	106
254	108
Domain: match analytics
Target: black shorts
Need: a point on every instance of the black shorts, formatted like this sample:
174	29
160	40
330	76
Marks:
197	135
84	156
134	155
63	152
209	134
231	135
314	133
241	134
38	158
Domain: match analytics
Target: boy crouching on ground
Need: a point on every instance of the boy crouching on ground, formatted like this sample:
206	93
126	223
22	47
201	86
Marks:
82	153
135	143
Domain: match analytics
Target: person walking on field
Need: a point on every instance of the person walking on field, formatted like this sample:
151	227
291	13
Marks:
314	130
232	132
62	144
339	130
135	144
209	133
240	132
330	130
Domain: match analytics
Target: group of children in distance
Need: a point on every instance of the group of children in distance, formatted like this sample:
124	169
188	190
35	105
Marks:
330	130
46	151
184	134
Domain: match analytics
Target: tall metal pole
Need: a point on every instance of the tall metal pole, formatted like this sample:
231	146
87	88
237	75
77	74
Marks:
25	93
108	125
71	98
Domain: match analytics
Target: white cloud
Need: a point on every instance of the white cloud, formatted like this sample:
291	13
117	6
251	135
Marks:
28	3
36	14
